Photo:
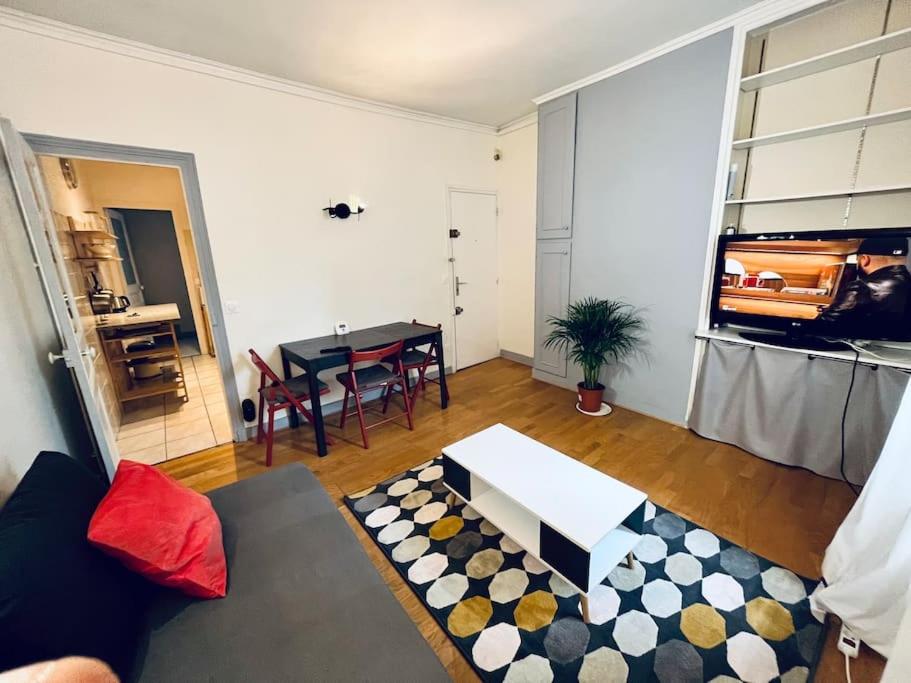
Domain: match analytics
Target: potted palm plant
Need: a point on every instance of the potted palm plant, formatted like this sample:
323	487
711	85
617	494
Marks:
596	332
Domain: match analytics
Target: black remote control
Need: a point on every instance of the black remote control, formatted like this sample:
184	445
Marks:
336	349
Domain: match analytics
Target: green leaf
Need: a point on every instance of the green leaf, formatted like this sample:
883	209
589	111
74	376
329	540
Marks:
596	332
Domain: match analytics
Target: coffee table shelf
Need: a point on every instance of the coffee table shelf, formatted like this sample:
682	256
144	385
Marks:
498	509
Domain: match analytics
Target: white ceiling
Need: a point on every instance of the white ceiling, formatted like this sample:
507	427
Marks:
476	60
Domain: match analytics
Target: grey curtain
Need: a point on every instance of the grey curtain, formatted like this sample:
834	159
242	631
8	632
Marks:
787	407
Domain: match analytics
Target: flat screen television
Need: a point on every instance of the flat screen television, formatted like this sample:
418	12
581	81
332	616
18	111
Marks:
817	287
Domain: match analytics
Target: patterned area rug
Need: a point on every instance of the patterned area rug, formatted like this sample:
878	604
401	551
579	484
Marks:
693	608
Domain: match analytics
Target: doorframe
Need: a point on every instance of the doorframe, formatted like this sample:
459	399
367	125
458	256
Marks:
451	260
185	163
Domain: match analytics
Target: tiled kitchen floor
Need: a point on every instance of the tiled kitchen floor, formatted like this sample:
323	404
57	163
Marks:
165	427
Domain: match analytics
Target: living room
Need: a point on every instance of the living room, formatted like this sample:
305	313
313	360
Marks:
512	196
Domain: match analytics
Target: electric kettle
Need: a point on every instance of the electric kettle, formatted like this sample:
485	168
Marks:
120	304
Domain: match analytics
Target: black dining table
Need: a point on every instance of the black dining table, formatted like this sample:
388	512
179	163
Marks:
321	353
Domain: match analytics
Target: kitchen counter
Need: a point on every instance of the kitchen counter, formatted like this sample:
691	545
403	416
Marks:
139	315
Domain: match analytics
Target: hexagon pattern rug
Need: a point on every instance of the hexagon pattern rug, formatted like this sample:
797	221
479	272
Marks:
693	608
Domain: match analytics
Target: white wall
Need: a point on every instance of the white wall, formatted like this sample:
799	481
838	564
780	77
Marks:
268	162
516	187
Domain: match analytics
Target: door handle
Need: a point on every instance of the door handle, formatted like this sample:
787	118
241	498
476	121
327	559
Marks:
52	357
459	283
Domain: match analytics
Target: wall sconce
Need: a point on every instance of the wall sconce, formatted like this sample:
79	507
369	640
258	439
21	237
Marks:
343	211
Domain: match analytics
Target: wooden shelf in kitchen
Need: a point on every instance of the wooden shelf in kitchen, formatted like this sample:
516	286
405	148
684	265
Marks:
154	386
116	332
124	332
126	357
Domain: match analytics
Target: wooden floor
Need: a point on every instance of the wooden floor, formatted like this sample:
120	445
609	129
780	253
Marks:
786	515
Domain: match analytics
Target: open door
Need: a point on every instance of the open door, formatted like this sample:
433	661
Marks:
63	288
125	249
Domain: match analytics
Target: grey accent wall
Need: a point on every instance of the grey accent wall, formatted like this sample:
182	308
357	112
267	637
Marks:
157	258
647	145
39	407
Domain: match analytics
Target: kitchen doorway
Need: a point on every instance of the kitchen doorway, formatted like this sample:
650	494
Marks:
153	267
129	243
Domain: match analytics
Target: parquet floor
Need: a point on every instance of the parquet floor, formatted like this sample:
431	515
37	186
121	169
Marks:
784	514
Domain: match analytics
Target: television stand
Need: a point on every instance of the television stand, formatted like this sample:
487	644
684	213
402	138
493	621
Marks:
788	341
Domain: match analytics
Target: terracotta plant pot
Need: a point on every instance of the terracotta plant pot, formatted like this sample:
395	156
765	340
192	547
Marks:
590	399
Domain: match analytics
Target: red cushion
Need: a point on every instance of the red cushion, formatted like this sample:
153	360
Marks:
161	530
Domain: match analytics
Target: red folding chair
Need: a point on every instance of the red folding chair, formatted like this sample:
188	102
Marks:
280	395
357	381
416	359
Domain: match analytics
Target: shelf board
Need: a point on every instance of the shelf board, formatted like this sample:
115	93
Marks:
820	195
142	388
889	356
97	258
136	355
825	129
138	332
858	52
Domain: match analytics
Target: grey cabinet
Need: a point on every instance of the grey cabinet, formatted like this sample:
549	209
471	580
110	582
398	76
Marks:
556	159
551	298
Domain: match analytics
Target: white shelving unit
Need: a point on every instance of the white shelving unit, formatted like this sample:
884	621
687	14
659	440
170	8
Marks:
858	52
756	109
825	152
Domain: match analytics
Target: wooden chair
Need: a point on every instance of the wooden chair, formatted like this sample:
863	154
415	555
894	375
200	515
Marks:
416	359
358	381
278	395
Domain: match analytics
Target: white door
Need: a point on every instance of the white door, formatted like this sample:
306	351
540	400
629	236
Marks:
72	314
473	240
125	249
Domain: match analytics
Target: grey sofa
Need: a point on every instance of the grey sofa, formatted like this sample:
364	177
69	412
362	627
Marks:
304	601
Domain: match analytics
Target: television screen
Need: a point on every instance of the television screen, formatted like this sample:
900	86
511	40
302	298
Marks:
847	284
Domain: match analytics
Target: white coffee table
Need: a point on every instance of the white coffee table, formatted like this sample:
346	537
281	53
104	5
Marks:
578	521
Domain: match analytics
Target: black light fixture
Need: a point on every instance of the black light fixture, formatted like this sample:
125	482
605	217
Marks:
343	211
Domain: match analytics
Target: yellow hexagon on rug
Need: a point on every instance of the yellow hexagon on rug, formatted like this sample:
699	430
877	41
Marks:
535	610
703	626
769	619
446	528
470	616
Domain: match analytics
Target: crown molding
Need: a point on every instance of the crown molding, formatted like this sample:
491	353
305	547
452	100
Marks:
50	28
767	10
519	123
